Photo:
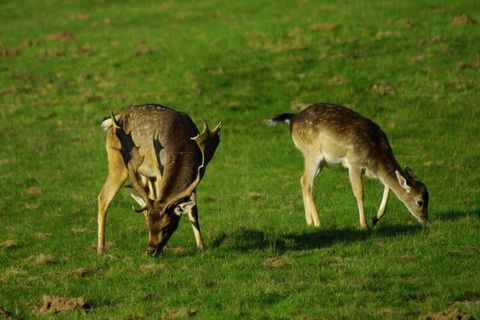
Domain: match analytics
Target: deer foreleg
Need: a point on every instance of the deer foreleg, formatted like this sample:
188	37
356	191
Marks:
193	217
355	174
116	177
383	206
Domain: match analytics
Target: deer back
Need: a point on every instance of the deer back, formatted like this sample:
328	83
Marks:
341	134
168	148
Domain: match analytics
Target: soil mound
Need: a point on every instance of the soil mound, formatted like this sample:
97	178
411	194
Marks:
59	305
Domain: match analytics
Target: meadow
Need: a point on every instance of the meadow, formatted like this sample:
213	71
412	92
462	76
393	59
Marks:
411	66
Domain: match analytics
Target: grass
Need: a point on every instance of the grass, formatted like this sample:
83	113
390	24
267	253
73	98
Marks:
411	66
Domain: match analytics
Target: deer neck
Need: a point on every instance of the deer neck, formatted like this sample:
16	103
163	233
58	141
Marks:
387	175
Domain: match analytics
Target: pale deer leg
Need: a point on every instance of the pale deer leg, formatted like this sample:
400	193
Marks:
193	217
383	205
312	167
117	174
355	174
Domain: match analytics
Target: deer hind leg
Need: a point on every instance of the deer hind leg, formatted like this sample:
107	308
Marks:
117	174
312	168
383	205
193	217
355	174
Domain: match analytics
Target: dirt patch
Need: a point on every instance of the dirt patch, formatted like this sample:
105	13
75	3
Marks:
327	26
3	91
58	305
7	52
8	244
407	22
43	235
382	35
255	196
4	314
181	313
383	89
337	80
277	262
43	259
59	36
82	17
177	251
143	50
29	43
462	20
82	272
450	314
33	191
52	53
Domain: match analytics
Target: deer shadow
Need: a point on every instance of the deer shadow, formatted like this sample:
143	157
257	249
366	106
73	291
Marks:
245	239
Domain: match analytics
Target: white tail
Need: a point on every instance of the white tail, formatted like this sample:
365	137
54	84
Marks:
327	133
165	156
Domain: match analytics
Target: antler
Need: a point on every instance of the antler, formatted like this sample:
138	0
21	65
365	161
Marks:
207	142
132	168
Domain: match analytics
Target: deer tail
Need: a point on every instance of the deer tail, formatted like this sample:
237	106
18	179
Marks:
281	118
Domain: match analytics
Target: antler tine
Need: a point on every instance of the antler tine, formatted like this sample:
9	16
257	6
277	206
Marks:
115	121
205	127
217	127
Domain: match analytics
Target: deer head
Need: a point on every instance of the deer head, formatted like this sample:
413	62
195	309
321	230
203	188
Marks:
415	196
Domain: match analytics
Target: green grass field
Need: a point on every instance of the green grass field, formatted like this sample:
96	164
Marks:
411	66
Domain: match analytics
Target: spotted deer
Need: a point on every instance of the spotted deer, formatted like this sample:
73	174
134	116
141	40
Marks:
165	156
329	133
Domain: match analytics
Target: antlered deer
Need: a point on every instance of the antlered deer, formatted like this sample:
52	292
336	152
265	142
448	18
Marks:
165	156
328	133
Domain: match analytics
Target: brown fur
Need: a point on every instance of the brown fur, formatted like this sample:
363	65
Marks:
157	147
328	133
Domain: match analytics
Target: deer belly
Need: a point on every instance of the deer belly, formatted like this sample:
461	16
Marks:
334	159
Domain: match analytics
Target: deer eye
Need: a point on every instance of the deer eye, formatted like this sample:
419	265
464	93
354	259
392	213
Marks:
420	203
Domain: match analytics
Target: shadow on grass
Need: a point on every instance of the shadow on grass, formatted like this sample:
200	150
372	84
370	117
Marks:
256	239
456	215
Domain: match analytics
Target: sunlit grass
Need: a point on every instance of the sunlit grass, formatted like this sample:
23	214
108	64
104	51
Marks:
412	67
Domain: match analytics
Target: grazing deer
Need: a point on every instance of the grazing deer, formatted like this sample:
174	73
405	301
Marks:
165	156
328	133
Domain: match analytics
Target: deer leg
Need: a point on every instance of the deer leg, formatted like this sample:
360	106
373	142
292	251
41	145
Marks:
117	174
383	205
193	217
355	174
312	168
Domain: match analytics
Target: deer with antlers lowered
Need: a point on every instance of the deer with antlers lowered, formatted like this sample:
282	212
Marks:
165	156
329	133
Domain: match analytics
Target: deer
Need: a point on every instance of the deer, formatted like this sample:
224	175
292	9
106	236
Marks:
328	133
165	156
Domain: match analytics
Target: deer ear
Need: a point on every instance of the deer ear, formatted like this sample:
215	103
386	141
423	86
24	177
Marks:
402	181
184	207
409	173
216	130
